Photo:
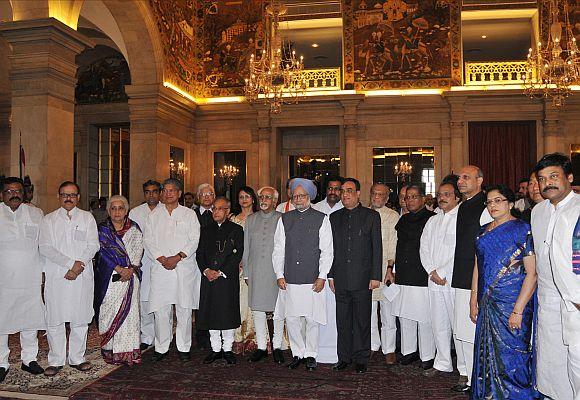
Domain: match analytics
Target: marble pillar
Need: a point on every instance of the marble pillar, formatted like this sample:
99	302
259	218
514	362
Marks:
43	78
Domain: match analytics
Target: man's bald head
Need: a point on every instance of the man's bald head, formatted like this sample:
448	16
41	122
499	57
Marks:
470	180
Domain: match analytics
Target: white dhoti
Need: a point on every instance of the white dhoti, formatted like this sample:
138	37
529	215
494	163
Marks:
300	303
261	326
327	335
164	328
412	307
463	332
552	372
441	305
387	337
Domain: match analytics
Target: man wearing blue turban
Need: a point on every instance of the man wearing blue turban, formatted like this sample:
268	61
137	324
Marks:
302	258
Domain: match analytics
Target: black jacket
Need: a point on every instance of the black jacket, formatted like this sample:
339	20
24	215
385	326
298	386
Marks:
358	248
408	265
205	219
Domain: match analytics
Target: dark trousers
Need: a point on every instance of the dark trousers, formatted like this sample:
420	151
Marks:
353	323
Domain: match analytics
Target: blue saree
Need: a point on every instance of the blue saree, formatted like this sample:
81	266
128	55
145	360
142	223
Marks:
503	362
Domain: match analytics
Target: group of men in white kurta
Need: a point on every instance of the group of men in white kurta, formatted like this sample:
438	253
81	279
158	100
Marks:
63	243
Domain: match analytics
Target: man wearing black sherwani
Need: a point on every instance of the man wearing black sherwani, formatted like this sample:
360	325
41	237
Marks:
218	256
356	271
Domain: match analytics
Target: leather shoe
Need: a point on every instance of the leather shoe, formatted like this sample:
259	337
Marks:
229	357
432	372
310	363
184	355
409	358
258	355
213	356
144	346
340	366
83	367
278	356
3	373
52	371
461	388
391	359
427	364
158	356
361	368
296	361
32	368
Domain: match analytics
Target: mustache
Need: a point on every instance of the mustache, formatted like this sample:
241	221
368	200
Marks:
549	188
68	201
15	198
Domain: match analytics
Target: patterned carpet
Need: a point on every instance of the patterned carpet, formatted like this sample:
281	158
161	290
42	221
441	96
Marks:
174	379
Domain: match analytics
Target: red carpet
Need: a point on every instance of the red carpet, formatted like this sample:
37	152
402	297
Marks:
174	379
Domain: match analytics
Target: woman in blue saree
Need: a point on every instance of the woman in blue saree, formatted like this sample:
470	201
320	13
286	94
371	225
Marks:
117	276
502	304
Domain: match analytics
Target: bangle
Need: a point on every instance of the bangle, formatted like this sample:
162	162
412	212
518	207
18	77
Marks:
474	290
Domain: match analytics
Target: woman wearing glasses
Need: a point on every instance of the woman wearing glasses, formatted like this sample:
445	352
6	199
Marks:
503	304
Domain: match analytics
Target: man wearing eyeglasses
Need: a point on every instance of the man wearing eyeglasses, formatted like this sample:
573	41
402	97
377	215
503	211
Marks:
171	236
68	241
21	308
259	274
411	305
328	337
206	197
302	258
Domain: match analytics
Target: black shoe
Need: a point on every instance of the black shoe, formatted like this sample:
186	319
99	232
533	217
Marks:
32	368
427	364
409	358
229	357
258	355
203	342
278	356
461	388
3	373
361	368
213	356
296	361
184	355
158	356
340	366
144	346
310	363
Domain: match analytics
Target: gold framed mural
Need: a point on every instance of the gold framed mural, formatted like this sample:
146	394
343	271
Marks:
402	44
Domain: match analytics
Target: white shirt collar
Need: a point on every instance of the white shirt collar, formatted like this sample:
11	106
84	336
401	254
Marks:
202	209
564	201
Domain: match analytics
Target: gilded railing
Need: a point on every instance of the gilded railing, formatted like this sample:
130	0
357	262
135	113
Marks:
495	73
321	79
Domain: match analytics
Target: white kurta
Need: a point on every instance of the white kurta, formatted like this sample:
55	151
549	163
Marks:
552	373
438	247
301	300
285	207
21	306
389	219
139	215
327	334
166	235
63	241
567	282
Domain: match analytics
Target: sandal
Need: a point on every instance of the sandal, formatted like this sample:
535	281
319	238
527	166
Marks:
83	367
52	371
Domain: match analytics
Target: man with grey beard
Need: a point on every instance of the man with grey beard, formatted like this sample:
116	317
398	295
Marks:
259	274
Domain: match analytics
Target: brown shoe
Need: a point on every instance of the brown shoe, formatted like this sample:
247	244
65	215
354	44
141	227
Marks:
432	372
83	367
52	371
390	359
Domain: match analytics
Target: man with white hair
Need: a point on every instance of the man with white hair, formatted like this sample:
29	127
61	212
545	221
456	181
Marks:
302	258
206	197
259	274
287	205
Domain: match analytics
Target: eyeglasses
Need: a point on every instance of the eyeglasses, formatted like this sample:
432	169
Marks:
495	201
333	189
206	194
13	191
68	195
299	196
412	197
265	197
349	191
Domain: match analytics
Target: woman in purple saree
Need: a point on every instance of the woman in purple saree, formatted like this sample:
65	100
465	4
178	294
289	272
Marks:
117	280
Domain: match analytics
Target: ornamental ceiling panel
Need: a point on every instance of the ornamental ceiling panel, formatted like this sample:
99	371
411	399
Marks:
391	44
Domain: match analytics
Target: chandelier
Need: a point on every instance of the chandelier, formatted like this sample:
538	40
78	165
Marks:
229	173
274	76
403	169
554	66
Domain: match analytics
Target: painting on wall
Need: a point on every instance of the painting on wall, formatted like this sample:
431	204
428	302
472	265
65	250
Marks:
232	32
397	44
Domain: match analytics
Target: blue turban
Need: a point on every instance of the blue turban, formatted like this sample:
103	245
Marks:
306	184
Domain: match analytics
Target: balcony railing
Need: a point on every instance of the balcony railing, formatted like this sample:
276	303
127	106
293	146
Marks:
495	73
322	79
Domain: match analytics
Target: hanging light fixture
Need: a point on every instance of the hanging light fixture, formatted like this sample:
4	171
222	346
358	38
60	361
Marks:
275	75
554	66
